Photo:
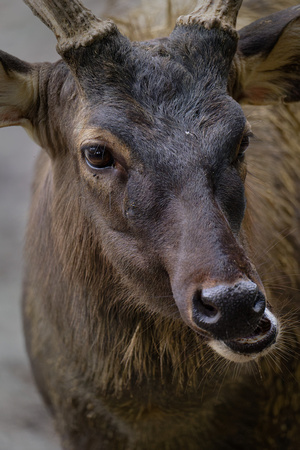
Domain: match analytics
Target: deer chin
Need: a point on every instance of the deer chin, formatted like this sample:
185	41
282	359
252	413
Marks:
248	348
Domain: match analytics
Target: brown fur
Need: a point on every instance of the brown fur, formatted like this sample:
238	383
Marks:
111	355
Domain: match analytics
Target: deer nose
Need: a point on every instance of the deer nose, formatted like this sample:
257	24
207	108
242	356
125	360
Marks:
229	311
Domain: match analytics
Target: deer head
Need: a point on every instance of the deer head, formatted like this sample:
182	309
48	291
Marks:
147	148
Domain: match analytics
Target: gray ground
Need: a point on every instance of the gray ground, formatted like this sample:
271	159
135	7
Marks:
24	422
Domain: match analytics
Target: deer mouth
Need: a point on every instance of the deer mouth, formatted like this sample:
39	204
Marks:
264	336
248	348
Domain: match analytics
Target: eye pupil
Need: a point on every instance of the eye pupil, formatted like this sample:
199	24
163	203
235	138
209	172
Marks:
98	157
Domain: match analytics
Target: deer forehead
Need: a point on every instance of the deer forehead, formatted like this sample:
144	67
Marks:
152	102
176	135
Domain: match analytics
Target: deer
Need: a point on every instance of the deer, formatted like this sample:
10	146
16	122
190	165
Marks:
161	275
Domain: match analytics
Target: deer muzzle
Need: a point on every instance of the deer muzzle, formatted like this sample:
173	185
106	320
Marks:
235	319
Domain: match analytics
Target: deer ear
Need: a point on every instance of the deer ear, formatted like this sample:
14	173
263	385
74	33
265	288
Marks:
18	91
267	62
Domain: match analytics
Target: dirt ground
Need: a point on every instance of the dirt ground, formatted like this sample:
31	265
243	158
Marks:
24	422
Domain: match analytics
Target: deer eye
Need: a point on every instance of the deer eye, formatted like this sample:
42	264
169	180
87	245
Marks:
98	157
243	147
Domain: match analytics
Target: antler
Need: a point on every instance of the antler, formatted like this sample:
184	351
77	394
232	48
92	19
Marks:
214	14
74	25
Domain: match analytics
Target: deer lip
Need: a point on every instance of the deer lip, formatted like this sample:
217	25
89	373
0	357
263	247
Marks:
263	337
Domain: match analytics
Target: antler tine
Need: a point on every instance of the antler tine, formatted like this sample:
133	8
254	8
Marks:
214	14
74	25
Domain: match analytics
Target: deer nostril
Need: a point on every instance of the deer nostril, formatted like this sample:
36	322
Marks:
203	307
229	311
